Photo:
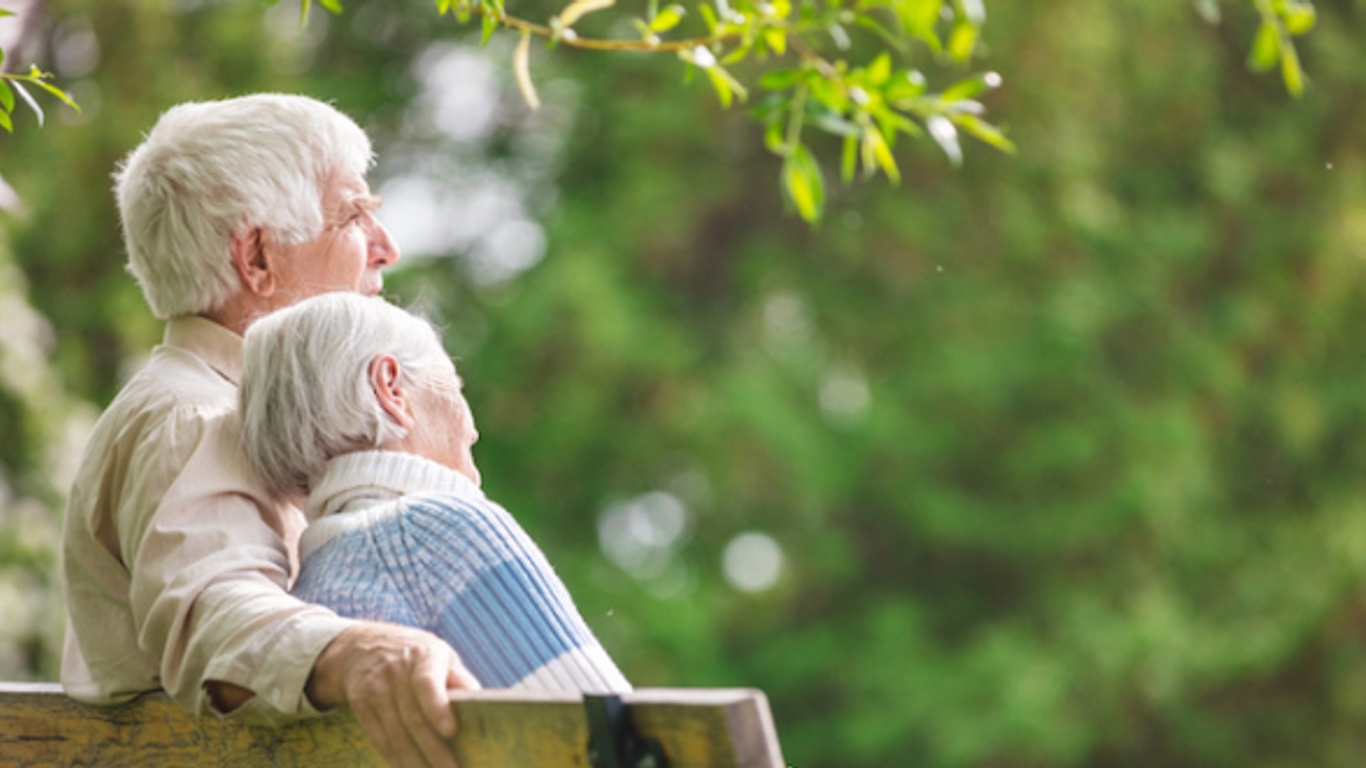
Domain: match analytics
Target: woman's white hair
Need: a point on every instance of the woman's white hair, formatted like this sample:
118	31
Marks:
306	395
207	170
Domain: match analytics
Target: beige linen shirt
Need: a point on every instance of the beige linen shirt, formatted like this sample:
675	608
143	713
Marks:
175	561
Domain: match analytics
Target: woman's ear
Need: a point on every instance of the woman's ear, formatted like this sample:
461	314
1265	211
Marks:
386	379
248	252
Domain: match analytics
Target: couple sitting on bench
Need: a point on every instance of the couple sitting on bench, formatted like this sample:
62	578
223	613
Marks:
178	560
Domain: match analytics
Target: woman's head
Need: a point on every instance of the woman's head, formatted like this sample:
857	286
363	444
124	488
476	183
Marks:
340	373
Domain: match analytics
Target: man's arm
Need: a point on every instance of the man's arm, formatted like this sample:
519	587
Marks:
395	679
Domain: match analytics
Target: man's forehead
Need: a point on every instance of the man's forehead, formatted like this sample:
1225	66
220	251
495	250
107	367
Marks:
346	189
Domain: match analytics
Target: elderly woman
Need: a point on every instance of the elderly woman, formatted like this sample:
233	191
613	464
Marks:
355	402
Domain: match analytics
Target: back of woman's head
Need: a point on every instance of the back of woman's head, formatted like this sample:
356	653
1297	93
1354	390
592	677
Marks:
306	396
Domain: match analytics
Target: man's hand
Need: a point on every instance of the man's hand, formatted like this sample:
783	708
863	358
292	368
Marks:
395	680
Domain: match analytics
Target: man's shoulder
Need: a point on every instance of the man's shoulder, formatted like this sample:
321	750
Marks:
170	402
174	381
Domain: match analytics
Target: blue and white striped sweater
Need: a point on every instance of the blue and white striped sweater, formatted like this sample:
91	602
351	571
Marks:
458	565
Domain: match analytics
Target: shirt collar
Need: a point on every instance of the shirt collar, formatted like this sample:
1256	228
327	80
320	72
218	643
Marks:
364	478
211	342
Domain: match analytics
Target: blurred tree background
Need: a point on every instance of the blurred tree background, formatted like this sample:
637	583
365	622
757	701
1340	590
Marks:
1052	459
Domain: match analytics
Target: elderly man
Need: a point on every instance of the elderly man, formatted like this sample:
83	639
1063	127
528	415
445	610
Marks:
355	401
176	560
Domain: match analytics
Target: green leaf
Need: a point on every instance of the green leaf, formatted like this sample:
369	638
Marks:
59	93
962	41
985	132
893	123
740	53
905	86
803	183
722	86
1208	10
783	79
304	7
775	138
667	18
333	6
709	16
6	97
4	13
1299	18
1291	72
6	122
828	94
971	87
882	154
66	99
488	25
880	71
726	86
919	17
1266	48
776	40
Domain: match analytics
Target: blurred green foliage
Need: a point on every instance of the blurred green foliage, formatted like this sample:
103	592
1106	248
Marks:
1050	459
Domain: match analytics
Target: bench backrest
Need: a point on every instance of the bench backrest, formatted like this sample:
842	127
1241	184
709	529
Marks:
695	728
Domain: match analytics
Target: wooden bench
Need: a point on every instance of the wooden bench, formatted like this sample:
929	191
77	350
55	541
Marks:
685	728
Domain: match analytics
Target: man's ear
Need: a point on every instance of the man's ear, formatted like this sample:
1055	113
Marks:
386	379
253	264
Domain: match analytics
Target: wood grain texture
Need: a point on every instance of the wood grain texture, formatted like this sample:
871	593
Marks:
698	728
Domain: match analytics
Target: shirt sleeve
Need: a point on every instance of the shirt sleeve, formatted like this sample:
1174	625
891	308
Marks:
210	567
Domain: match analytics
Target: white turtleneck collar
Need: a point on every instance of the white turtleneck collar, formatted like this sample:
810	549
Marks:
357	490
354	481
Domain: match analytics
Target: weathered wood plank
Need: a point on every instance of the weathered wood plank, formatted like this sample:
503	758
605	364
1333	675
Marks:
698	728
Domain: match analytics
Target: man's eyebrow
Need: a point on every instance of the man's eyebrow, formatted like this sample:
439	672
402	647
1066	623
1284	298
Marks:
370	203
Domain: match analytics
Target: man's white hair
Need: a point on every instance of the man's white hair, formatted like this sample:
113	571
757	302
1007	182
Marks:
209	169
306	394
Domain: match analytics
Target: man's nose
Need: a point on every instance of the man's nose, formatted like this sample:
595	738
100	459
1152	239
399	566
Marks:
383	250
